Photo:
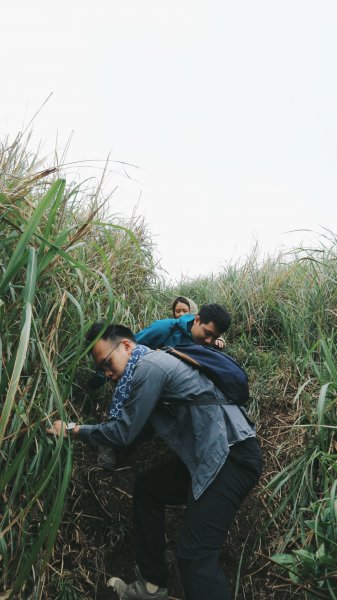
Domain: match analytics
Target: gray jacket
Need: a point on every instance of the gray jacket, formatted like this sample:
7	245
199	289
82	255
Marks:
162	392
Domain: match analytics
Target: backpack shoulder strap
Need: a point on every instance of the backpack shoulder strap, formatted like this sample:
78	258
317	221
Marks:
182	356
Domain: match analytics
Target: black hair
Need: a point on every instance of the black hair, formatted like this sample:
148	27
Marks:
180	299
112	332
216	313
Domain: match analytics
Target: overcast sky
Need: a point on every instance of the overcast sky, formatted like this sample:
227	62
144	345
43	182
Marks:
229	109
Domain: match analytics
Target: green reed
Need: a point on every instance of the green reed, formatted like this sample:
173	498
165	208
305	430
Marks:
61	268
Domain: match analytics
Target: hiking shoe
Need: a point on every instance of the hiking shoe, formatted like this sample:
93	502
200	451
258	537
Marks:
137	590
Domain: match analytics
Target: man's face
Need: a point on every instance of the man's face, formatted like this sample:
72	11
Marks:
204	333
112	357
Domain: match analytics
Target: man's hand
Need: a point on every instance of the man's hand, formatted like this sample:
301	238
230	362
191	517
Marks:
57	428
220	343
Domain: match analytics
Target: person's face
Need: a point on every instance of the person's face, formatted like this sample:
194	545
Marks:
204	333
111	357
180	310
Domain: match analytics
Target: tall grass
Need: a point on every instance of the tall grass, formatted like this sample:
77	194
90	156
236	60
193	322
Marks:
64	262
284	330
62	266
308	483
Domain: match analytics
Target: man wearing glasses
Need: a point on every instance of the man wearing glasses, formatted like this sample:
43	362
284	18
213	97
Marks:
217	463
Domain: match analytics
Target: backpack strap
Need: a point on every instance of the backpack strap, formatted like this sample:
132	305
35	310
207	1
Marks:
183	356
199	402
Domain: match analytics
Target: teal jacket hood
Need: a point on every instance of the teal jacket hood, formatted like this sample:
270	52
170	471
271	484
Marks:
166	332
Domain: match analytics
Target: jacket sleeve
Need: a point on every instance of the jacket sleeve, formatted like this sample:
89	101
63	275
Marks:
156	335
149	381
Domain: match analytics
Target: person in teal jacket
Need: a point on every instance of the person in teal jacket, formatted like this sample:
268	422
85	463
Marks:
205	328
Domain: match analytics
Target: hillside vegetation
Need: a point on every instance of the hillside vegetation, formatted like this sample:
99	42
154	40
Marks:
64	263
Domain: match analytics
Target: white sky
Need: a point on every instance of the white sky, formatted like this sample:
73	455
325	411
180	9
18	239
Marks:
228	108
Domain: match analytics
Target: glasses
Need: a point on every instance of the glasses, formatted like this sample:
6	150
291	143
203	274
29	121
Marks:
104	364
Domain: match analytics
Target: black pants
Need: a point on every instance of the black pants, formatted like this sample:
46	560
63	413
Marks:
205	524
